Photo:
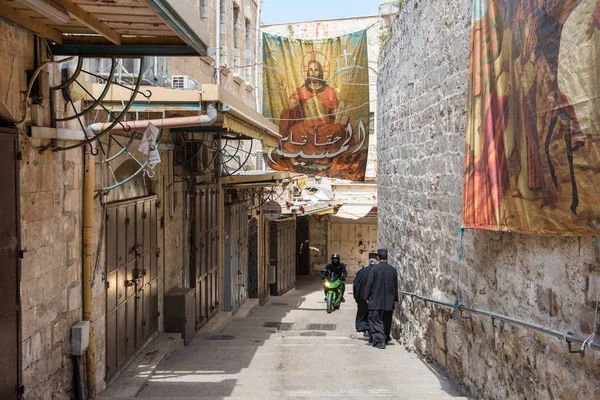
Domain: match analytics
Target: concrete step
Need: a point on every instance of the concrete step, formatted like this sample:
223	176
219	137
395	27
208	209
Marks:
218	323
246	309
133	379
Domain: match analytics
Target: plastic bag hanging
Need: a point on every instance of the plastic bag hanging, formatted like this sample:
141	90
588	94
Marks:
148	145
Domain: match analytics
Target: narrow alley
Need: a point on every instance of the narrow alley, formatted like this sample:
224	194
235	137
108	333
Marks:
311	355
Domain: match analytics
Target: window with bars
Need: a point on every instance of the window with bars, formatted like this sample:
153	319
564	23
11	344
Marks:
248	33
236	27
260	161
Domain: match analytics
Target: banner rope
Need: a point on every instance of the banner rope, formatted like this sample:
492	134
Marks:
461	232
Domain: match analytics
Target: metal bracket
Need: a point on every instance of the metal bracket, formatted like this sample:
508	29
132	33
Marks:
500	325
463	316
579	351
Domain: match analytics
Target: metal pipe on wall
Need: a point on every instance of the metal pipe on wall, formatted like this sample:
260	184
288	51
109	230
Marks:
89	182
218	41
569	337
257	59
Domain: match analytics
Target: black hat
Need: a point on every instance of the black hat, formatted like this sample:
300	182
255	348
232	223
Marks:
382	254
372	256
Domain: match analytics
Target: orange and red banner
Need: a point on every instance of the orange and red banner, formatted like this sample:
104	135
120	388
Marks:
533	132
317	92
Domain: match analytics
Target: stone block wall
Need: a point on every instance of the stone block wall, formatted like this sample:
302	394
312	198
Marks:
16	57
553	282
51	187
319	256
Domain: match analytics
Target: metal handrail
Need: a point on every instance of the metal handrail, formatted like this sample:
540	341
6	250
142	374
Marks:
567	336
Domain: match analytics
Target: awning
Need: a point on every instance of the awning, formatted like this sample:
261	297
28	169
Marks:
237	125
259	178
239	116
132	28
354	211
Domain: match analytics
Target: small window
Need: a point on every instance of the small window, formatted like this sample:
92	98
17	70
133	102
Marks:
371	123
236	27
248	34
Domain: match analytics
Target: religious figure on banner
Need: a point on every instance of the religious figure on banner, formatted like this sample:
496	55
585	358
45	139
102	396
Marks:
317	91
533	149
307	124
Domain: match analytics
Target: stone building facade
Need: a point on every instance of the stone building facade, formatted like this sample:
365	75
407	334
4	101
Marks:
51	204
553	282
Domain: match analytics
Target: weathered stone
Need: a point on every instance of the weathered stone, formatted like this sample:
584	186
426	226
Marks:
422	94
36	206
36	347
74	296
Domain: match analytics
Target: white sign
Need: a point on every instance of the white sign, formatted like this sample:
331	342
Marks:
271	210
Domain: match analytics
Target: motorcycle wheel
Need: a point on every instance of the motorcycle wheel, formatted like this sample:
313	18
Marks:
329	302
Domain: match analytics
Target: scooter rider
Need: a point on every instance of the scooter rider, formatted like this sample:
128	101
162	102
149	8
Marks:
338	268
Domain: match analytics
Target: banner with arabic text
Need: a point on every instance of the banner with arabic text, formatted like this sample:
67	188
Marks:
533	131
317	92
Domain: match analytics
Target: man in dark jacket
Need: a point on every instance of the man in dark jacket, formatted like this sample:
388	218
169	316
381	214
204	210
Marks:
338	268
358	288
381	294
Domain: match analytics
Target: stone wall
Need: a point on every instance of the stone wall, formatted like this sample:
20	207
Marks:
548	281
51	269
319	256
240	82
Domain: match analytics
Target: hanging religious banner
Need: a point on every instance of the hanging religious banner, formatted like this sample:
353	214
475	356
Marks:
317	92
533	131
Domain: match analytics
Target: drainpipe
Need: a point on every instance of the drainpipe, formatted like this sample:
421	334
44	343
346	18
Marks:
218	44
198	120
257	58
89	180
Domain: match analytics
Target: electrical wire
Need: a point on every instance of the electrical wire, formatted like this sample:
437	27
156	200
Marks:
324	115
32	81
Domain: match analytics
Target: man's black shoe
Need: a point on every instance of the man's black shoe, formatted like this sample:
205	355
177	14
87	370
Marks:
379	345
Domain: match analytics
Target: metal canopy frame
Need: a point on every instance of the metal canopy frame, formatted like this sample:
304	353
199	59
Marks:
122	51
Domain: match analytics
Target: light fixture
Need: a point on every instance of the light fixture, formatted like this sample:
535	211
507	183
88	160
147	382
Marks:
48	10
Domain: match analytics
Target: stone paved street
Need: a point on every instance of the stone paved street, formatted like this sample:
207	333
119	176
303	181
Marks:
250	361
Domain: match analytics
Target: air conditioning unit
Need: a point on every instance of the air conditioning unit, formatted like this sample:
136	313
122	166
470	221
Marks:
184	82
260	161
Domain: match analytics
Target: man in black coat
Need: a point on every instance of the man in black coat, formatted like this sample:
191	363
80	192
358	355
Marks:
381	294
358	288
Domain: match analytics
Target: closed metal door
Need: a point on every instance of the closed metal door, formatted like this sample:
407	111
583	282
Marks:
253	258
10	345
204	266
283	248
287	255
132	278
239	255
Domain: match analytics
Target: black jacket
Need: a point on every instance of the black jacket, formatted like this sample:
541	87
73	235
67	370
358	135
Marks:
339	270
382	287
360	282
